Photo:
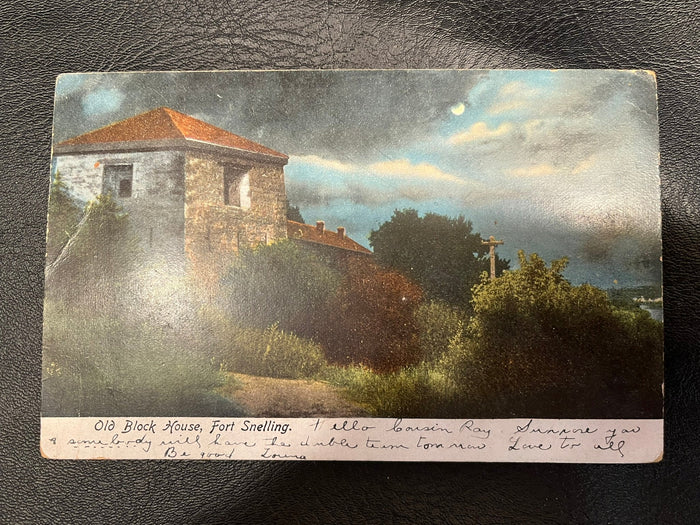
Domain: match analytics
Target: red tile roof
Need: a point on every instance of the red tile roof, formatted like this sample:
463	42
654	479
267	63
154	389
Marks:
309	233
165	123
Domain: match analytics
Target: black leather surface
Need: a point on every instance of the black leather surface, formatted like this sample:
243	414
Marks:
39	40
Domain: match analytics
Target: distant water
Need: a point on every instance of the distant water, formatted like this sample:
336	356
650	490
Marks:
656	313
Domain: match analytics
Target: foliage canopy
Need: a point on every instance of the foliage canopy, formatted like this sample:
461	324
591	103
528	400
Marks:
277	283
442	254
94	265
537	340
293	213
63	218
371	318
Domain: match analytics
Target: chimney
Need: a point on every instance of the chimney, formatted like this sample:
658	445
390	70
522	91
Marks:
320	227
341	232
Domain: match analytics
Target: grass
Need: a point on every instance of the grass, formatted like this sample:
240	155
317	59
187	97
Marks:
99	365
416	391
271	352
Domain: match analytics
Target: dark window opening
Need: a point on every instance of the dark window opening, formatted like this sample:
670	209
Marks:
125	188
118	180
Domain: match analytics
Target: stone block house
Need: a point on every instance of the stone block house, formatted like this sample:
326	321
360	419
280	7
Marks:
195	193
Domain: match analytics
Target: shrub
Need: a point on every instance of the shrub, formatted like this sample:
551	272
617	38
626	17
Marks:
371	319
414	391
538	346
640	354
439	323
98	365
425	389
269	352
277	283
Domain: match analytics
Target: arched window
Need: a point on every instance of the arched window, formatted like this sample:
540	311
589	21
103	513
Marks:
236	186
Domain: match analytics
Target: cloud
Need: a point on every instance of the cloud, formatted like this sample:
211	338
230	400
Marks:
537	170
102	101
546	168
481	131
515	95
331	164
395	168
320	193
584	165
505	106
403	168
348	114
381	184
533	126
309	193
518	88
68	83
511	88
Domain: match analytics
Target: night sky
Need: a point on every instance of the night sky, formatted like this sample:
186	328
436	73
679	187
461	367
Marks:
561	163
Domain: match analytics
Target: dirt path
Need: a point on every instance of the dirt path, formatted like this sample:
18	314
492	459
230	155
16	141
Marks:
268	397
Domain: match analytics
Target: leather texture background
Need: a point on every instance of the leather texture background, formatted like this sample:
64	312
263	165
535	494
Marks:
39	40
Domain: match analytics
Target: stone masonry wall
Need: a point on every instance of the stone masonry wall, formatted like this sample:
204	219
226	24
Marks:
214	231
156	205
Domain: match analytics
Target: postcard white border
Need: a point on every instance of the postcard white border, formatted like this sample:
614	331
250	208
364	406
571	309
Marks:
349	439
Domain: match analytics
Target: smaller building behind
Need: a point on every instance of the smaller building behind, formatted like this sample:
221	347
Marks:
332	246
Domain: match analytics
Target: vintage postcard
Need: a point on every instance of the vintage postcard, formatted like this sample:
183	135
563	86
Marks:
356	265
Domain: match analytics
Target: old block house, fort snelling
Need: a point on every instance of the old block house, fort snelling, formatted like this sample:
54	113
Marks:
195	193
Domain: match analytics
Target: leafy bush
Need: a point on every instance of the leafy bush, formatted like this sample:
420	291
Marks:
371	319
415	391
270	352
538	346
98	365
640	343
358	311
428	389
277	283
439	324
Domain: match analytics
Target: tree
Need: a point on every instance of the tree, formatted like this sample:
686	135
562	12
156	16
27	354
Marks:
94	265
63	217
371	319
547	348
293	213
443	255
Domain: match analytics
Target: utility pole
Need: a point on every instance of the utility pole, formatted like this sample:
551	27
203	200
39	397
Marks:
492	243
